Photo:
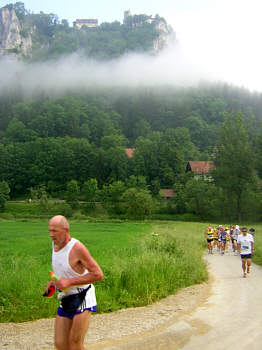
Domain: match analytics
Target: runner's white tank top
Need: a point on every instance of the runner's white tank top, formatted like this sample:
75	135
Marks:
62	269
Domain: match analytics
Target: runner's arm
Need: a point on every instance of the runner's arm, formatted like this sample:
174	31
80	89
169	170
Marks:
88	262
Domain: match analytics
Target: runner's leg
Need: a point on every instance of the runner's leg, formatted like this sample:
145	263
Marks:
248	265
208	246
235	246
211	246
244	266
78	330
223	246
62	331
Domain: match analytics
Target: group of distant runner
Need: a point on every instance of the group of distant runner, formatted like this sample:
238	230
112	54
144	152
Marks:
241	239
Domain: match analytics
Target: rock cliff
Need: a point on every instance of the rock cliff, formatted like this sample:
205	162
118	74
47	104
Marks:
165	39
12	40
33	36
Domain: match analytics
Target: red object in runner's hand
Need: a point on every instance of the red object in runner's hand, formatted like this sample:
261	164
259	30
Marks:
50	292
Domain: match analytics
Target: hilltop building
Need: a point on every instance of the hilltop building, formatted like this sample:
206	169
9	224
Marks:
90	23
126	15
146	19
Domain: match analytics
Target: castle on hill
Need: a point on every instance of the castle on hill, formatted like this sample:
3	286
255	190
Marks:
93	23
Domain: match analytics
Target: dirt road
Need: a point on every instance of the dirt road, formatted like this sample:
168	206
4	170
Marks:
225	314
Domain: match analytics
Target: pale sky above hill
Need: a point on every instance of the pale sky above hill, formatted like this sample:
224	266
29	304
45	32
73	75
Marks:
219	39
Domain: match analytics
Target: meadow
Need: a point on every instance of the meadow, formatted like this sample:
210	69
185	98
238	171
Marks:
142	262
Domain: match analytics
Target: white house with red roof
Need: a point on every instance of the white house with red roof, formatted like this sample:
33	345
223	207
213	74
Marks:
201	169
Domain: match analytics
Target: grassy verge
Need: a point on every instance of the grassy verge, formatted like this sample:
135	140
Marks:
257	258
169	258
25	259
142	262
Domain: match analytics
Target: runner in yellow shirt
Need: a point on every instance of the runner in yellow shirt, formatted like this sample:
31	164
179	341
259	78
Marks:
209	234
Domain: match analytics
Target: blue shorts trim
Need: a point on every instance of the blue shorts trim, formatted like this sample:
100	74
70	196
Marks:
62	313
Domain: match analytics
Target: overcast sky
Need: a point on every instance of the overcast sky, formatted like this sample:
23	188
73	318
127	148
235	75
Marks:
219	39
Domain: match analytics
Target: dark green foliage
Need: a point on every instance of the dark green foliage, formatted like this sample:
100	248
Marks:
52	141
201	198
90	190
4	194
64	209
138	203
19	8
234	171
82	136
72	193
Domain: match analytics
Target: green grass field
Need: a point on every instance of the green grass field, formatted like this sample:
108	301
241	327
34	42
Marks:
142	262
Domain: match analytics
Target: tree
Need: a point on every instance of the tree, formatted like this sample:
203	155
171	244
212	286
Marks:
198	130
190	151
90	190
115	164
201	198
3	162
113	196
142	128
234	162
179	187
159	157
17	131
44	203
136	182
155	187
112	141
113	192
4	194
139	203
19	8
72	193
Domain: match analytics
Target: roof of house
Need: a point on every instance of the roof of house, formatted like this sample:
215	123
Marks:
200	167
89	20
168	193
129	152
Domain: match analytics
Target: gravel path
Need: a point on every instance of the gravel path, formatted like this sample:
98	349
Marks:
224	314
38	335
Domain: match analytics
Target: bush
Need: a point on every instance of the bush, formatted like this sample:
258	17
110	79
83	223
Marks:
7	216
19	210
160	216
79	216
87	208
139	203
188	217
63	209
4	194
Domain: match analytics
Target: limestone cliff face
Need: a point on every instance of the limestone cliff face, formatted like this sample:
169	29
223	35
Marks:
12	42
165	38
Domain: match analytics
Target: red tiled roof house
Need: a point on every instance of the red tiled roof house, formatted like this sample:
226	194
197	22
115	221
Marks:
167	193
201	168
129	152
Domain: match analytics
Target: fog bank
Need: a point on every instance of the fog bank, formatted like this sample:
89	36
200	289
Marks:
77	73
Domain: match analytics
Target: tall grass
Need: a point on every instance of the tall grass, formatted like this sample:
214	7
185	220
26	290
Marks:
257	258
142	262
25	258
165	261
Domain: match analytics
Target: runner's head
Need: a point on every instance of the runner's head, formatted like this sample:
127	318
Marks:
59	229
244	230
